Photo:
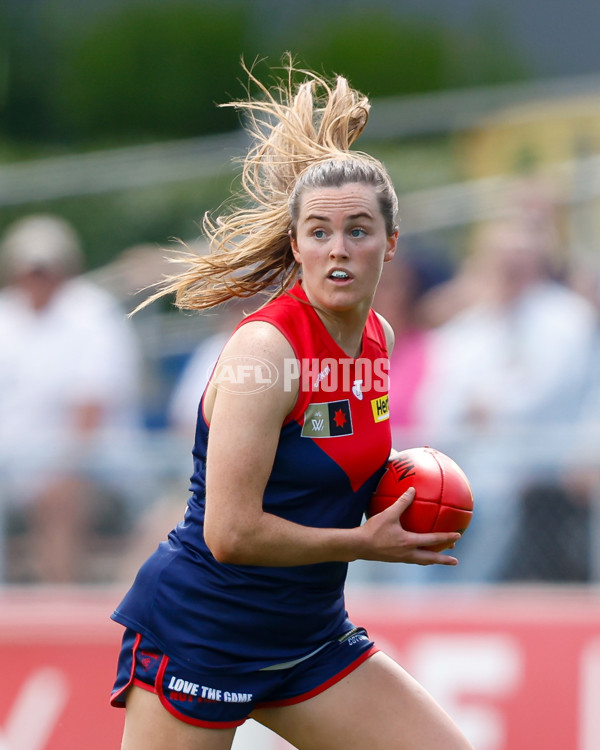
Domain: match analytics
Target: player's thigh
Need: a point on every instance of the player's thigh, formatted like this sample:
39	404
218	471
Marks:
149	726
377	706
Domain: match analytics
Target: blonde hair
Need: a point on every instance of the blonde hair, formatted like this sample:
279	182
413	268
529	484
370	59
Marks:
302	135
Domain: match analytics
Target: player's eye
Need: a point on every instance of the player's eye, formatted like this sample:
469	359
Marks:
319	234
357	232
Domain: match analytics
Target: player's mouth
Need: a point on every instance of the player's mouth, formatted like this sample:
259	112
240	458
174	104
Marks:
339	275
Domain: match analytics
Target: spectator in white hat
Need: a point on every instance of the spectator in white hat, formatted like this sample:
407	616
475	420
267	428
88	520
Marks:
68	395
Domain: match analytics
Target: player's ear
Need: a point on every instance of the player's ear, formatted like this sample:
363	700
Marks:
294	246
392	244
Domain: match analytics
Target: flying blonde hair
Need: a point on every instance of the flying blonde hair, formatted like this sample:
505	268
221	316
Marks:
301	139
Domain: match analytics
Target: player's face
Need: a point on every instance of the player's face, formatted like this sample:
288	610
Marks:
341	243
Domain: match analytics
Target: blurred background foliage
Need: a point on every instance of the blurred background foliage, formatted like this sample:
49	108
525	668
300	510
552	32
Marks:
156	70
83	76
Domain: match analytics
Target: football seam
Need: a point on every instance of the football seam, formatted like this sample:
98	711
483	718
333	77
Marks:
443	480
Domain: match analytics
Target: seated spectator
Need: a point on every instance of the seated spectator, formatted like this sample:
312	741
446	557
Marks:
411	276
507	382
167	509
68	402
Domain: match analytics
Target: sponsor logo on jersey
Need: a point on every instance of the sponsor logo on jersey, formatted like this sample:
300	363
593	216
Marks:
327	420
381	408
321	376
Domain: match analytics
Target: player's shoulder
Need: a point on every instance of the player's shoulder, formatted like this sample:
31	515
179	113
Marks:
254	361
259	340
283	323
388	332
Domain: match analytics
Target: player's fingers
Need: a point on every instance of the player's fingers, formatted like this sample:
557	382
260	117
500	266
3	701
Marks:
435	538
403	501
423	556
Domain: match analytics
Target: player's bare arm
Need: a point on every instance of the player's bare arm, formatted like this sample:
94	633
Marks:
239	462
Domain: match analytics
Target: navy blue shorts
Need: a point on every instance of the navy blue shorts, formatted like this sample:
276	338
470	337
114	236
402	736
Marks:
219	700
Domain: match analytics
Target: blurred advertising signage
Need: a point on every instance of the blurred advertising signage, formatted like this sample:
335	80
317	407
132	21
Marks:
516	669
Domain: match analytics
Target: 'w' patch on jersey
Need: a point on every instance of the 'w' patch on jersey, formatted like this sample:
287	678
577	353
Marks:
327	420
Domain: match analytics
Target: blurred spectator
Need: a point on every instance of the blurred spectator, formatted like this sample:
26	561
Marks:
167	510
68	403
167	336
519	352
508	377
413	272
570	496
131	276
185	399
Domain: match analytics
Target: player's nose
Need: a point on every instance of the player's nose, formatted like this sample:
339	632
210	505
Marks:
337	247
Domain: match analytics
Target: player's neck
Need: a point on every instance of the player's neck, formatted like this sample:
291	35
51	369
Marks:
346	329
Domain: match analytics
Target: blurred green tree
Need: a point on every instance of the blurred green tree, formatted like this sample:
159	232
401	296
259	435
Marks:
387	55
153	71
141	71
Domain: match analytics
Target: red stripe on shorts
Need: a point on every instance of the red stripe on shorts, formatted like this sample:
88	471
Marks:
183	717
320	688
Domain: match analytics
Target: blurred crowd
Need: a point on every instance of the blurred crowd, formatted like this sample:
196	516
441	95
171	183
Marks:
496	364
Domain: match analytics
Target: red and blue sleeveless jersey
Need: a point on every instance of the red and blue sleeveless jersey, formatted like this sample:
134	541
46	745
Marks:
330	456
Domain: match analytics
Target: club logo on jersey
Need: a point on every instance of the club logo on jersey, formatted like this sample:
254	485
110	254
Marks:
357	389
327	420
381	408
